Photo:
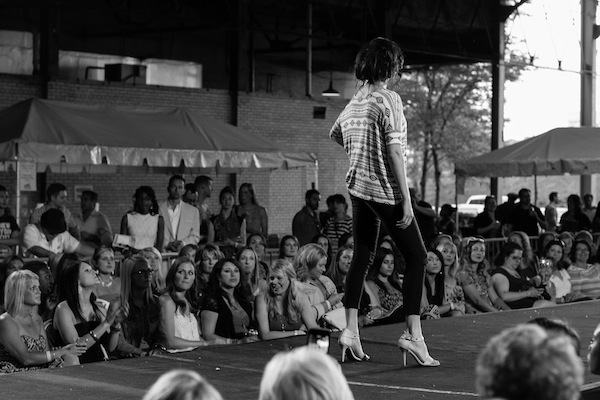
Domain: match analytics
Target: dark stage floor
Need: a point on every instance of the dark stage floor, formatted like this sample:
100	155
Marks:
236	370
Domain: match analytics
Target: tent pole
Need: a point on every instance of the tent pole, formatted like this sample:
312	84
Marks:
535	188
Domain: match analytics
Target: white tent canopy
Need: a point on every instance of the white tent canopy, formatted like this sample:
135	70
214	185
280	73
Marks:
561	150
52	132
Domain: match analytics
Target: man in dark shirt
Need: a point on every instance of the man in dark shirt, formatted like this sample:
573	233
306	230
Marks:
306	223
486	224
425	216
526	217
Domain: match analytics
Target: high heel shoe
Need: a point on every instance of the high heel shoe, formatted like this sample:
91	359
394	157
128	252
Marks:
350	344
405	343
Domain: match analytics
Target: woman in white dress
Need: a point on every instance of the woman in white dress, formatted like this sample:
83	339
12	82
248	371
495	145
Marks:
144	224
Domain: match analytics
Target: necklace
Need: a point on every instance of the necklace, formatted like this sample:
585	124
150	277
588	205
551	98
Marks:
110	281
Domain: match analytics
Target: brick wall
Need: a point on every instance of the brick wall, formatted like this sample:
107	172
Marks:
284	120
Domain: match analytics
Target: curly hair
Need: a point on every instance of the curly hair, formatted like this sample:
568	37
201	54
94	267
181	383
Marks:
378	60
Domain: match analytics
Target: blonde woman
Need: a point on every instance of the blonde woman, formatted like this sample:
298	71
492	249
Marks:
282	309
310	264
304	374
23	342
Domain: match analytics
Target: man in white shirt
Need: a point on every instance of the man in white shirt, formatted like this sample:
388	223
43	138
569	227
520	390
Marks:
182	221
50	237
551	213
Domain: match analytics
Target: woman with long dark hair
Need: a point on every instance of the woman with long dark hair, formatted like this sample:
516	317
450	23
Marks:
372	129
80	319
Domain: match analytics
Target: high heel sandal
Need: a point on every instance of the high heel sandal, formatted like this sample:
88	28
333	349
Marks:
350	344
405	343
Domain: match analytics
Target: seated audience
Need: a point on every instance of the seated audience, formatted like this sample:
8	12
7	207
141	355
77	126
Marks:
49	298
159	268
338	269
257	220
103	262
384	291
310	263
7	267
10	233
567	239
559	281
189	251
304	373
282	309
252	275
543	240
475	279
229	228
80	319
226	312
514	290
340	222
306	224
181	384
50	237
288	247
524	362
585	277
434	304
529	268
142	307
56	198
206	259
93	226
453	292
256	242
23	342
144	223
323	241
179	328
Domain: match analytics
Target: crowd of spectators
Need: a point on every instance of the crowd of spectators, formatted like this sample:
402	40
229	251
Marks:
84	300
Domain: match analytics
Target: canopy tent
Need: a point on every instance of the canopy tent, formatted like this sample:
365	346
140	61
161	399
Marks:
561	150
51	132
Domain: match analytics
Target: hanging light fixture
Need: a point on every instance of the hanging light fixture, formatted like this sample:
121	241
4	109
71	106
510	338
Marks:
330	91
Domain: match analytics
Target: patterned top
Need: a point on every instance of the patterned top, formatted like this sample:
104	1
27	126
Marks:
143	228
454	294
282	323
389	300
482	281
365	128
9	363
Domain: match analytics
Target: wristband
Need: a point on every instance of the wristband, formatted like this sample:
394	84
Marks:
93	335
48	356
115	329
451	306
328	303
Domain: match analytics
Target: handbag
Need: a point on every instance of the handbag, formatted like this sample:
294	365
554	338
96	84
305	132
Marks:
336	318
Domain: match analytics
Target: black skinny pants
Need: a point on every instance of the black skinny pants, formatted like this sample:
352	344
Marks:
367	217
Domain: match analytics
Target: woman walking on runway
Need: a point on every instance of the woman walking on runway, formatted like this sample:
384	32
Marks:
372	129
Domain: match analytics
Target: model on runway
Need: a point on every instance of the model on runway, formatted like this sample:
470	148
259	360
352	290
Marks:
372	129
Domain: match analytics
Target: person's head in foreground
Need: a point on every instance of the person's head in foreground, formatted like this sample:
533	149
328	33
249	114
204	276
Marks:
304	374
181	384
525	362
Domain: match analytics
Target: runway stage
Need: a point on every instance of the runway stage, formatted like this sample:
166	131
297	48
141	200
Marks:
236	370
